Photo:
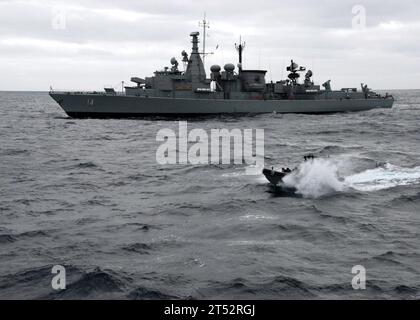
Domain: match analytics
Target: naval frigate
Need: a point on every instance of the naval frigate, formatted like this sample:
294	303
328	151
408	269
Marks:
233	90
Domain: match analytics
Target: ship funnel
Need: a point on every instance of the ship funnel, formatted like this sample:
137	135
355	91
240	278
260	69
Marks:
195	69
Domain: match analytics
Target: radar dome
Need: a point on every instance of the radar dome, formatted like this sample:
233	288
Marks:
173	61
229	67
215	68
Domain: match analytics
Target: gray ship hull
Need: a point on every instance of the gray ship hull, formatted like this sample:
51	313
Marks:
81	105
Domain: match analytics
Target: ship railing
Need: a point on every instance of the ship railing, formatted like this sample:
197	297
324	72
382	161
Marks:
83	92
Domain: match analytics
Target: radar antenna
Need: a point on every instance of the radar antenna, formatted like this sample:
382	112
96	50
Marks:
294	68
240	47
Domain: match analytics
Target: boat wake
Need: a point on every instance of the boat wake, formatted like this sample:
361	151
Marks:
320	177
385	177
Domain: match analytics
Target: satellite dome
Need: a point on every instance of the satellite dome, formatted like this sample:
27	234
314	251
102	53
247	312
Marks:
215	68
173	61
229	67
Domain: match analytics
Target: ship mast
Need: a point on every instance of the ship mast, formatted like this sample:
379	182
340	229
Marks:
205	25
240	47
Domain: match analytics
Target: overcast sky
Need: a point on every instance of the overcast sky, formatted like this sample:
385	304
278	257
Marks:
89	44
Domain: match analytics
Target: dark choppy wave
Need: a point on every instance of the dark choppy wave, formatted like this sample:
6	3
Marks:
89	195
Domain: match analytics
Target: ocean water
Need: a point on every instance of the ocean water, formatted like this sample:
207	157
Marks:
89	195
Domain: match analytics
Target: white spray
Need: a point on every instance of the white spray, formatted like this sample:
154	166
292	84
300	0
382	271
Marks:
319	177
315	178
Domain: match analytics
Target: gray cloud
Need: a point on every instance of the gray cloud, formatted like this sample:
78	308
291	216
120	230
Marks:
107	41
